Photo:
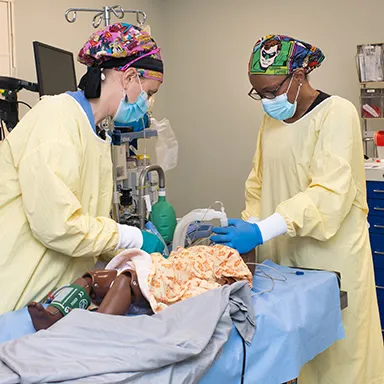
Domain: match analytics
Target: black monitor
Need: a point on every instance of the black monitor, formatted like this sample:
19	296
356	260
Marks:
55	69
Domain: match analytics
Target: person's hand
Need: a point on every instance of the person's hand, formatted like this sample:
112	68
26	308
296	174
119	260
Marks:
239	234
151	243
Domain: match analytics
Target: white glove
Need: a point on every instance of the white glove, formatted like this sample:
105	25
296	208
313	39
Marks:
129	237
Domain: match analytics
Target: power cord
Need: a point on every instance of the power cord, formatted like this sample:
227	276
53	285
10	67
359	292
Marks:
198	226
266	275
20	102
24	103
244	362
260	269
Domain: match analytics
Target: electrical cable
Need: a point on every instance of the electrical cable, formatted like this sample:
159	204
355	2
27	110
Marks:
244	361
200	241
20	102
284	278
24	103
51	296
3	128
266	275
207	209
242	380
198	224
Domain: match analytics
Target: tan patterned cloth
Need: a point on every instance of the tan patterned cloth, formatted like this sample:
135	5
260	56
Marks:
190	272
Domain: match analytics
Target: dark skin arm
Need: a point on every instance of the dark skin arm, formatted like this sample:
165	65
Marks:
119	297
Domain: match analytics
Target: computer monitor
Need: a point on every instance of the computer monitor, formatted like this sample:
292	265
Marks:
55	69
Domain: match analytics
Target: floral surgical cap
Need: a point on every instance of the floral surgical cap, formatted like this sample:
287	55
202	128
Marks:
119	46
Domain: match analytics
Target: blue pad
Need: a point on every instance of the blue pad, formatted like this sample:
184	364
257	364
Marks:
295	322
15	324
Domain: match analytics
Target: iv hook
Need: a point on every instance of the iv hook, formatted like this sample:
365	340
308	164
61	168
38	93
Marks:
117	11
96	23
105	13
70	19
142	21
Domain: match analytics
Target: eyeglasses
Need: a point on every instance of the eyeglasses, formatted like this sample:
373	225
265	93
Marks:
268	95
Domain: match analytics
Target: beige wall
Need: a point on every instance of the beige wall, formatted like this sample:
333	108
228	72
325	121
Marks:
6	42
207	46
43	20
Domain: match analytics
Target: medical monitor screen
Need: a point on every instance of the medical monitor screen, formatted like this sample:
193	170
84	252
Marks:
55	69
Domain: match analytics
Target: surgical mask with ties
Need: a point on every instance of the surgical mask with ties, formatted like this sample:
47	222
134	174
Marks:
130	112
280	108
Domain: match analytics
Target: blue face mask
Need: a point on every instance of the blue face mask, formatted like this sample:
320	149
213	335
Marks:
280	108
131	112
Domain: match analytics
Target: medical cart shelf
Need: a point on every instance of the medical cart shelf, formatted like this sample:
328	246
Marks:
375	194
372	84
366	88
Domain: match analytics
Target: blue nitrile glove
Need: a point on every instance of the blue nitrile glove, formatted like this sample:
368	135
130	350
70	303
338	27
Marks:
239	235
151	243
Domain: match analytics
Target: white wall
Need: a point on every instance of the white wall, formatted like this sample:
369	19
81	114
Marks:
207	46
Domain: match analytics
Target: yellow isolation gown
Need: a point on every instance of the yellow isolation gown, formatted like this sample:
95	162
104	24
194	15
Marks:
55	200
312	173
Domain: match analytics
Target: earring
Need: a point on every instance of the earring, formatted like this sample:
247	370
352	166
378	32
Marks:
102	76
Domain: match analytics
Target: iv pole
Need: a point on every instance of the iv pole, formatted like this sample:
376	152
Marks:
105	14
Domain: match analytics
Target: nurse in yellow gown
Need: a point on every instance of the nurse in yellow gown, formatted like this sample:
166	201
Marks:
56	172
306	200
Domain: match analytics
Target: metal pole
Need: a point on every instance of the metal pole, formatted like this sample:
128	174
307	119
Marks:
107	15
119	13
142	188
115	202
